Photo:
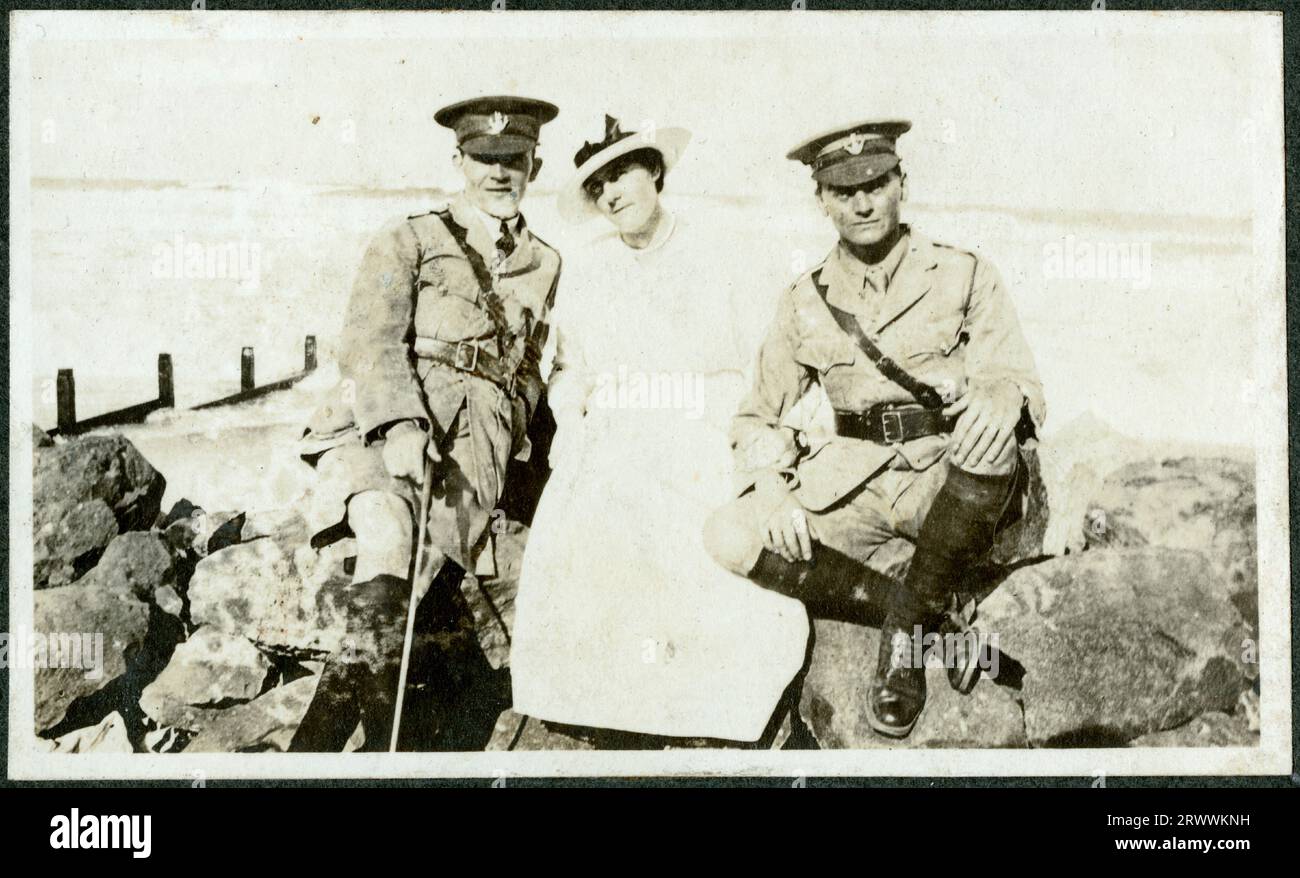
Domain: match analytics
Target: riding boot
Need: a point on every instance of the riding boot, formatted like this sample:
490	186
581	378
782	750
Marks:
958	531
359	681
831	579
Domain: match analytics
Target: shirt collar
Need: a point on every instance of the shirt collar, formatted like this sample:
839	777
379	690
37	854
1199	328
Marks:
852	272
492	225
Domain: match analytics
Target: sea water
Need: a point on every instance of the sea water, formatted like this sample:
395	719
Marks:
1146	322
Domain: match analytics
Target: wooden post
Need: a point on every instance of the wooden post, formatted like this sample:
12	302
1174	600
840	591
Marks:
246	369
166	389
309	354
66	394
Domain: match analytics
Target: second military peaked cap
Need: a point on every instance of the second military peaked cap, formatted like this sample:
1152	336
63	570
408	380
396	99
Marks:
852	155
499	124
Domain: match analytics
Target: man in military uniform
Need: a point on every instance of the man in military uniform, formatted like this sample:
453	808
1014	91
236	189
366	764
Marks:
440	365
933	388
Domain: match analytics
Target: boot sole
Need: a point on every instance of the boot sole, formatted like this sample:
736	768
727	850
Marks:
892	731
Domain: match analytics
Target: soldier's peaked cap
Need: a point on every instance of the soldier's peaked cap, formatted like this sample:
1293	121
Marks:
498	124
852	154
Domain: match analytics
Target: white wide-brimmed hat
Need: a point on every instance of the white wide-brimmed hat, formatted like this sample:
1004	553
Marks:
668	142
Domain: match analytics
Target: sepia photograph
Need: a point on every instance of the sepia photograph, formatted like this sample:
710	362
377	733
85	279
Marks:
572	394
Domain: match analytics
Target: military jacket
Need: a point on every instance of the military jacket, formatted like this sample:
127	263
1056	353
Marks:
944	317
416	282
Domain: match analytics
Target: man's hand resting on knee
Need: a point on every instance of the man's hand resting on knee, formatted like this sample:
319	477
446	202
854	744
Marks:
405	447
786	530
986	423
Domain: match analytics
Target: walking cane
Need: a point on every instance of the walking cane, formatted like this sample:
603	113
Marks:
425	499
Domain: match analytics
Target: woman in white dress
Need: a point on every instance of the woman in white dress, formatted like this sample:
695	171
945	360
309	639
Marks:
623	621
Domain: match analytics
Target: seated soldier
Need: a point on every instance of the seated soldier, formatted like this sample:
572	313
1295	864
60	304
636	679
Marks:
919	351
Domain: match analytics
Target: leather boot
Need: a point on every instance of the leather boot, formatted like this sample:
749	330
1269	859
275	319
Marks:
831	579
957	532
898	689
360	680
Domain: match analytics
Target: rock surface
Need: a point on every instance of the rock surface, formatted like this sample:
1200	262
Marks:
272	590
268	722
834	703
108	737
68	614
1214	729
1204	504
73	484
139	562
210	671
1116	644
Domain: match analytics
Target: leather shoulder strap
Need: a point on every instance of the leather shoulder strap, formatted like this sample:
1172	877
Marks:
924	393
488	297
458	233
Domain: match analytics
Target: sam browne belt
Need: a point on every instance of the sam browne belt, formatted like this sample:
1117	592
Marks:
468	356
893	424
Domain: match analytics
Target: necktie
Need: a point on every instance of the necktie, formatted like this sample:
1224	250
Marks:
506	243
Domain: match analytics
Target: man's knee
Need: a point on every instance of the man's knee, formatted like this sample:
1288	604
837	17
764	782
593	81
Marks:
381	521
1003	465
731	538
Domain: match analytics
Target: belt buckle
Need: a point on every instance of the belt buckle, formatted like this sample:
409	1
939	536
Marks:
891	437
458	361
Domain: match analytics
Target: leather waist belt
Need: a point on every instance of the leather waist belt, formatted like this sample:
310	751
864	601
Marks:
893	424
467	356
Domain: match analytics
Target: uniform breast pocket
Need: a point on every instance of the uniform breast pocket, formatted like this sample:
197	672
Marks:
825	355
934	339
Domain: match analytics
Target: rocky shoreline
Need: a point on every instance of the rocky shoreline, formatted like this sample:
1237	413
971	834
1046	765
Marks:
1124	605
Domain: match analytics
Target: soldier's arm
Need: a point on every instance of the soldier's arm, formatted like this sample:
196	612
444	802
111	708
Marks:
374	352
996	347
763	448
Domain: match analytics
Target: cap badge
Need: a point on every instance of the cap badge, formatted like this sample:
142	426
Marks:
857	140
498	122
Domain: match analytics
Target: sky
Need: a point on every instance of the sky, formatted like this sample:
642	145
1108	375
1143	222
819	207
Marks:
1148	113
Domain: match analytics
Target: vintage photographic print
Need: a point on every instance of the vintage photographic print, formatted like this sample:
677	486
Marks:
788	393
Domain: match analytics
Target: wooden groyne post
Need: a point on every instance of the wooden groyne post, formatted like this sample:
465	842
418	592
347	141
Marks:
66	392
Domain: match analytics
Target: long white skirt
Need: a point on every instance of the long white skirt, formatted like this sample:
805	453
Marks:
622	619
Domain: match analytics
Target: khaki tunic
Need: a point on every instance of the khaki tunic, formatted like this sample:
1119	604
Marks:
415	283
944	317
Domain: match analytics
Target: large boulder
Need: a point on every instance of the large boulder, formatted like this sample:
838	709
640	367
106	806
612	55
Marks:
272	590
1114	644
78	488
1200	504
267	723
834	701
73	620
139	562
210	671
